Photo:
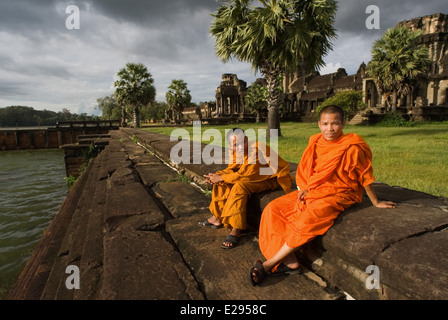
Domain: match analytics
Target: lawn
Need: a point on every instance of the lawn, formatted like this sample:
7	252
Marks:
411	157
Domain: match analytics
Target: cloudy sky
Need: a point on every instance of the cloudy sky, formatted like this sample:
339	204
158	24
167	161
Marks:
45	65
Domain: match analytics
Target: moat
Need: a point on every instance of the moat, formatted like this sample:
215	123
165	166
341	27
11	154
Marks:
32	188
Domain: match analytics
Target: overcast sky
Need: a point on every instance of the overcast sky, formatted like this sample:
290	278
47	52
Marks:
47	66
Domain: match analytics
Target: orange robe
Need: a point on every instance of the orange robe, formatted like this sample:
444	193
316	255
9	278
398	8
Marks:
229	198
335	174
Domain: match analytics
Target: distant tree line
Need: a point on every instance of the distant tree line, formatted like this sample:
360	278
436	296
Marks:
21	116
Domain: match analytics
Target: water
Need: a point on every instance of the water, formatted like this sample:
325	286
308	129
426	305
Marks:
32	188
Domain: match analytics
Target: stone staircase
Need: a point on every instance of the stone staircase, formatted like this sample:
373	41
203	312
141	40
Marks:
357	119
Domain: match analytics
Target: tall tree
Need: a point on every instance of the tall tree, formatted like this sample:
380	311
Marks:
178	97
278	36
397	62
350	101
134	88
256	99
109	108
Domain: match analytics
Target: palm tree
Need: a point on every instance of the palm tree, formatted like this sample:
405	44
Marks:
397	61
178	97
276	37
134	88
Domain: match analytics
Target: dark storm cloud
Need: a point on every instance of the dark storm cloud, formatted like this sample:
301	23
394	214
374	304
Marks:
42	61
351	15
28	15
151	12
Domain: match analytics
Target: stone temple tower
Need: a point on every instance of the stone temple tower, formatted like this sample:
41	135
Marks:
435	37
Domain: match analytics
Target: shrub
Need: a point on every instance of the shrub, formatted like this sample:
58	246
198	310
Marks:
395	119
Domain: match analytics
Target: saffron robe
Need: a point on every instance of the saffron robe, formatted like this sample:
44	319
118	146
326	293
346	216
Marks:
335	174
259	170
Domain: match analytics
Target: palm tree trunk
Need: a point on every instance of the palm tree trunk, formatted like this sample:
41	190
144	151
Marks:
394	101
123	116
271	74
136	117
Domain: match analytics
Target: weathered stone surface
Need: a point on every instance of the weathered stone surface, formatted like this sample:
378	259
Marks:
162	148
124	200
419	275
143	265
181	199
152	174
126	197
417	198
224	274
92	254
362	232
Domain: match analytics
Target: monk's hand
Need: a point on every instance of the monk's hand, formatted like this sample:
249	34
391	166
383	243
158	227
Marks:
301	195
207	178
386	204
214	178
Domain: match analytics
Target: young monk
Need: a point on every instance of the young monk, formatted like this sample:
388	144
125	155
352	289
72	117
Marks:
244	176
332	175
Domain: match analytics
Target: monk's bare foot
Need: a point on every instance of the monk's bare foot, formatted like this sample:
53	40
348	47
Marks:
291	261
214	221
232	239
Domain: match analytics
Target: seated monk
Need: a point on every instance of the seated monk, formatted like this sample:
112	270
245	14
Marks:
253	168
332	175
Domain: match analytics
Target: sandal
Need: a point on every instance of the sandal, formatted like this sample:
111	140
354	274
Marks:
284	270
232	240
207	224
259	271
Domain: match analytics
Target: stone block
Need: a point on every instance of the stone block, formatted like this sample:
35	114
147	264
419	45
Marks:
362	232
144	266
127	197
152	174
181	199
416	267
224	274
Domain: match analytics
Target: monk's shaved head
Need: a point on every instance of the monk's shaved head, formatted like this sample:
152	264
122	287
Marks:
237	132
331	110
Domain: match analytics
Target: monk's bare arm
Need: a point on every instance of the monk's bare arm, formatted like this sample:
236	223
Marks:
379	204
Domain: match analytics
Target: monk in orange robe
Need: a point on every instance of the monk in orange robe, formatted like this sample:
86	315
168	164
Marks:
332	175
254	168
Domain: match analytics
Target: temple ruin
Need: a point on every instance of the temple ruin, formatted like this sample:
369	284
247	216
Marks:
428	100
230	95
304	90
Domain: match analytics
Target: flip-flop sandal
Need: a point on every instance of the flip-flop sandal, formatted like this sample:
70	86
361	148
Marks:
258	269
207	224
284	270
232	240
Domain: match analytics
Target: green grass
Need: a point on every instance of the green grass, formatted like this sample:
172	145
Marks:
411	157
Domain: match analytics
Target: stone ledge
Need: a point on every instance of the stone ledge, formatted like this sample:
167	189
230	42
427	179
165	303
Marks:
362	236
136	267
116	225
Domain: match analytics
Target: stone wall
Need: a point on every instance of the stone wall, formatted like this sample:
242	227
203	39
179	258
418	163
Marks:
47	138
